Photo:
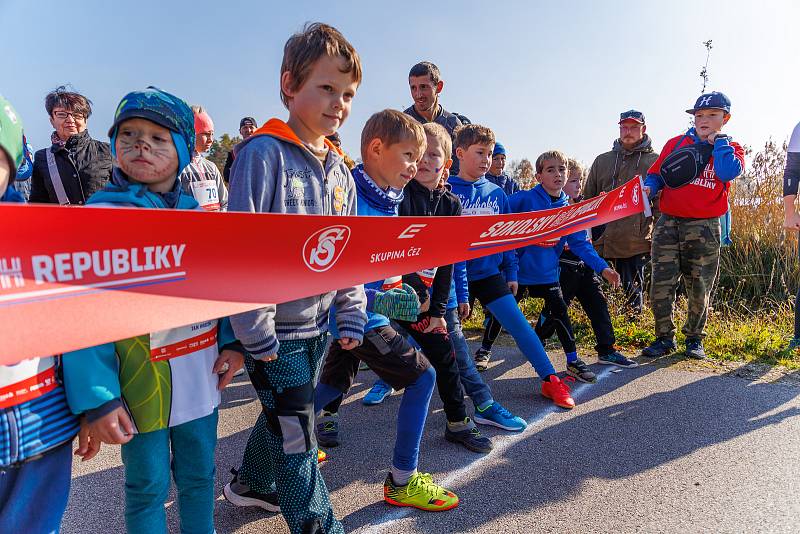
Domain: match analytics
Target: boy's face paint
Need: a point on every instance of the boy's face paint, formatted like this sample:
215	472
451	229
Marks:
553	176
709	120
5	171
394	165
432	164
146	153
573	186
475	161
322	104
498	164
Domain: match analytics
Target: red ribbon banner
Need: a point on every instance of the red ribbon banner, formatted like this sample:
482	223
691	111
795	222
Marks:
76	276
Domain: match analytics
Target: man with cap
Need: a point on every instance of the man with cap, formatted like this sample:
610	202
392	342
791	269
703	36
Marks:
496	174
201	178
693	173
247	126
625	242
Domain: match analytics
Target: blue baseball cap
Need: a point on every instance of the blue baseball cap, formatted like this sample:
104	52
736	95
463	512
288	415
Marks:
631	115
712	100
498	149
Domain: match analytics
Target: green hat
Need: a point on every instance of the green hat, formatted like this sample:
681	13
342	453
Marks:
10	134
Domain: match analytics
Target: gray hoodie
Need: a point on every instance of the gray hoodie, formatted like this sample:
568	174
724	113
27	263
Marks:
274	173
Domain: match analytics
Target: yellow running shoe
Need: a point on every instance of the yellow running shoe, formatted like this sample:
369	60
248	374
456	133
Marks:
321	456
420	492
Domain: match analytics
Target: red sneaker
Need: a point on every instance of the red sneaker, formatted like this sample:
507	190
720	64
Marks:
558	391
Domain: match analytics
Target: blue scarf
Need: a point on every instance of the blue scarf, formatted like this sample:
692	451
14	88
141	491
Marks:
369	192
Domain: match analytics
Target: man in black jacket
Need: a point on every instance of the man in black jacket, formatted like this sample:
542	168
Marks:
75	166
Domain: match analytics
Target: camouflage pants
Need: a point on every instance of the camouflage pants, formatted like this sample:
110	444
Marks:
687	248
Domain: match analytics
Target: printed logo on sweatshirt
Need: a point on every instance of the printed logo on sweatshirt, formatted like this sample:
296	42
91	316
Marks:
296	181
489	206
324	247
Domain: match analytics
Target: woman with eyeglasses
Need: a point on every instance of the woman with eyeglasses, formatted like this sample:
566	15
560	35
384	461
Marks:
75	165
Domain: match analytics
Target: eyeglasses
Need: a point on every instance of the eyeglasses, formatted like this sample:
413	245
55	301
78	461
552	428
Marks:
62	115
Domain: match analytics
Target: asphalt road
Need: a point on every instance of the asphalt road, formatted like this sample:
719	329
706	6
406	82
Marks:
653	449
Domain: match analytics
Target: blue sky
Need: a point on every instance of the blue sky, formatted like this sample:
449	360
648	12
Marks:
542	75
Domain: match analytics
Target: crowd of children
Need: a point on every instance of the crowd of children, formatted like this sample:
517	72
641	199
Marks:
160	404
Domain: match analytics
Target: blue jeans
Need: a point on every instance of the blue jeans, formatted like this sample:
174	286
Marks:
147	476
474	386
33	495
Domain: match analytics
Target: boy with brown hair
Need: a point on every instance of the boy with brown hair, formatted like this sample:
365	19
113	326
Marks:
392	144
474	147
290	167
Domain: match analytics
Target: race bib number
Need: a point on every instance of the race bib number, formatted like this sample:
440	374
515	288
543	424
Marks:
427	276
478	210
26	380
206	194
393	282
182	341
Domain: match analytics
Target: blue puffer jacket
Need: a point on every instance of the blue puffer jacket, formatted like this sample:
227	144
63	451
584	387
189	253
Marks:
40	424
538	264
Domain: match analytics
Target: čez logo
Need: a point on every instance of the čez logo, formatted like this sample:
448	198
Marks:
324	247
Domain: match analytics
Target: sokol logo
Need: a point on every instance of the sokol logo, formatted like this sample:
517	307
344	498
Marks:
635	195
324	247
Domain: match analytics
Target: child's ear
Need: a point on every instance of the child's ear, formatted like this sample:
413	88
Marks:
459	153
287	84
374	148
726	118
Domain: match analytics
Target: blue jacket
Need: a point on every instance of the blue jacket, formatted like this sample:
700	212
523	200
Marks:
538	264
482	197
504	182
372	201
38	425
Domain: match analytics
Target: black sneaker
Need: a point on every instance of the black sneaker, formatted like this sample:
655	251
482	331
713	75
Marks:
482	357
328	430
470	437
694	349
616	358
239	494
581	371
660	347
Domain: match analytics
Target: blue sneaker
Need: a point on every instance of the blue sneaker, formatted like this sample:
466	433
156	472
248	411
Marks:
377	394
498	416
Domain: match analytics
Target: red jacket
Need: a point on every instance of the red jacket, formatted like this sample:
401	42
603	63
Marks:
707	195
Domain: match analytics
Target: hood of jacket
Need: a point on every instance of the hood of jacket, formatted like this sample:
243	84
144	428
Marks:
646	145
120	190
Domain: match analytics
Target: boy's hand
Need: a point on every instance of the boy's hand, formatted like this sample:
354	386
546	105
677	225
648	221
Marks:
513	286
88	445
646	190
228	362
348	343
114	428
434	323
425	306
464	311
712	136
791	221
611	276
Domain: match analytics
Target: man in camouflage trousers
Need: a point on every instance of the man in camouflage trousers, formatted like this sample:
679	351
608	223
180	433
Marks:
686	239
